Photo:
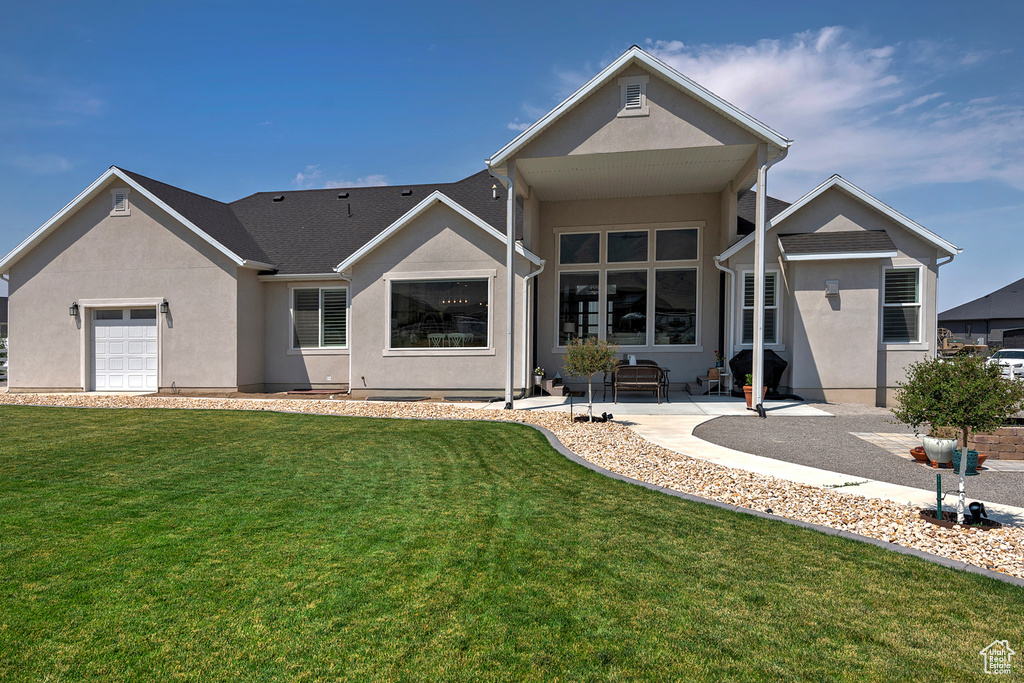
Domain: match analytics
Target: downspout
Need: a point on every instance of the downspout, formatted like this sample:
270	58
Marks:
347	277
935	345
526	364
730	315
760	229
510	252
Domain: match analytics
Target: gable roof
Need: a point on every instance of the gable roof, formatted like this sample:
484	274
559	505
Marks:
1006	302
746	210
251	257
635	55
838	182
312	231
435	197
808	246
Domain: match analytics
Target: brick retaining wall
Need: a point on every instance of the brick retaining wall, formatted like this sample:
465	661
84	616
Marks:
1003	444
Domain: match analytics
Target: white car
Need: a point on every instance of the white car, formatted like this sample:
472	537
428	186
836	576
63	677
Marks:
1011	360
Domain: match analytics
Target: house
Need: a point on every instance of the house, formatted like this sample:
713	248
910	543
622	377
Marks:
3	316
633	219
997	318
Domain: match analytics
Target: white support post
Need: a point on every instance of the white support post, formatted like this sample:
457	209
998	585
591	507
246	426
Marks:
510	255
757	381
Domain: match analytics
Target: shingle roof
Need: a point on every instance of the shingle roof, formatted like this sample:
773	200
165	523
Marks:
312	231
746	210
214	218
1007	302
840	242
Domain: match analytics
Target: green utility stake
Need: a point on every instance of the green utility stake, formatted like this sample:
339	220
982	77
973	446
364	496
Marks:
938	496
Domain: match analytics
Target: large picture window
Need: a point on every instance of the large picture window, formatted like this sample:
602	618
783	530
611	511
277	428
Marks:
675	306
319	318
439	314
771	308
901	306
627	307
578	296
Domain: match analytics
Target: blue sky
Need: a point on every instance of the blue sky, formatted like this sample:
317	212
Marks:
921	104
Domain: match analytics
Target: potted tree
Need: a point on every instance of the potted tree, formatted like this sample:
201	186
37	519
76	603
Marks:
748	391
587	357
964	392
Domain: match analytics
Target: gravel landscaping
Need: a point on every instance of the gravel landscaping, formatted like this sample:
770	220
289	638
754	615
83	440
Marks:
619	449
827	443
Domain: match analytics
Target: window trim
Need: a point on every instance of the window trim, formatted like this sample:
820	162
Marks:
651	266
778	309
919	305
488	275
644	108
318	350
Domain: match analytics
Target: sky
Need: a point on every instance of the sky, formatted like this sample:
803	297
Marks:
921	104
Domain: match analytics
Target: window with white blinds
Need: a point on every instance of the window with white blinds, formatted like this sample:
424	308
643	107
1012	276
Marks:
319	318
771	308
901	306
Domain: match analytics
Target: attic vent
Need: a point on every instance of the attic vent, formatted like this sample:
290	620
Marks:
279	198
343	195
633	96
119	202
406	193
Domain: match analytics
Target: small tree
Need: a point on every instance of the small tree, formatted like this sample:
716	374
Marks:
965	392
585	358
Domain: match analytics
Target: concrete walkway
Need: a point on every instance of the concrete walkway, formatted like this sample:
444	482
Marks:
635	403
676	434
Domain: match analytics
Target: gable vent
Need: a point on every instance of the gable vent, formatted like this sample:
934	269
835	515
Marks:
406	193
279	198
120	201
343	195
633	96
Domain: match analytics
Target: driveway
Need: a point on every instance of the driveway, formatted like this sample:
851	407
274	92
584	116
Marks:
828	443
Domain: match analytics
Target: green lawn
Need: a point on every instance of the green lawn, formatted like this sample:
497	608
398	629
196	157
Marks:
144	544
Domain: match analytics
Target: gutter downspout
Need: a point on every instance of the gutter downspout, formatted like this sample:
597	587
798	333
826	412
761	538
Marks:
760	228
936	340
510	253
729	309
526	299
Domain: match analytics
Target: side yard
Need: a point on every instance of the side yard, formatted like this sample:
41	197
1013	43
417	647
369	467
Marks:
223	545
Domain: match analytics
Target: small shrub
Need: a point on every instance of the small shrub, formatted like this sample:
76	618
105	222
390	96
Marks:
587	357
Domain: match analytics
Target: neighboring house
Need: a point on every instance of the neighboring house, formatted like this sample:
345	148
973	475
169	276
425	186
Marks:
997	319
3	316
633	224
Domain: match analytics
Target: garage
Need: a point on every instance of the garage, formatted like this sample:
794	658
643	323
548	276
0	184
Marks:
124	349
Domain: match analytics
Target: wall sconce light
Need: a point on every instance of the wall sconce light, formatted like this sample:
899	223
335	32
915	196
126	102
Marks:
73	310
831	287
165	308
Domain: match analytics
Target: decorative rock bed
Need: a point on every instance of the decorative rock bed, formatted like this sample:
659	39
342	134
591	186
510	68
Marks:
619	449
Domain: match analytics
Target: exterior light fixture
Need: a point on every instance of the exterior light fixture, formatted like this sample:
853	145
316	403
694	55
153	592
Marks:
73	309
831	287
165	308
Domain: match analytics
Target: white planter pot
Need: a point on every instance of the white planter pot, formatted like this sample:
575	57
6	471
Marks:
939	450
538	380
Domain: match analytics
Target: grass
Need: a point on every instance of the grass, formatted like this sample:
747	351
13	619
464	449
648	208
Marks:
194	545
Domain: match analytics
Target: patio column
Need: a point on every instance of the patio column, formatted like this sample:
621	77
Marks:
757	381
510	255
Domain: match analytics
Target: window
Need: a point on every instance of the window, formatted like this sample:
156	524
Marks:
771	308
575	248
675	306
901	306
143	314
676	245
577	306
437	314
319	318
119	202
633	97
627	307
108	314
627	247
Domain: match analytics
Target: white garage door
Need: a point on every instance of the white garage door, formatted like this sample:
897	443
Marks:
124	349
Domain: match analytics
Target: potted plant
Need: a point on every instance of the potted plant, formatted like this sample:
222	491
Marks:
719	360
748	391
964	392
587	357
939	443
538	376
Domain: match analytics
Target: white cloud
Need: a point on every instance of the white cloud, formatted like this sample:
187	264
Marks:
375	180
517	125
43	164
306	178
862	110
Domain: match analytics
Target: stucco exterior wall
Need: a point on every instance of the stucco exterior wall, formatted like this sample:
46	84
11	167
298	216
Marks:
146	254
439	243
286	368
684	363
833	344
676	120
250	311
